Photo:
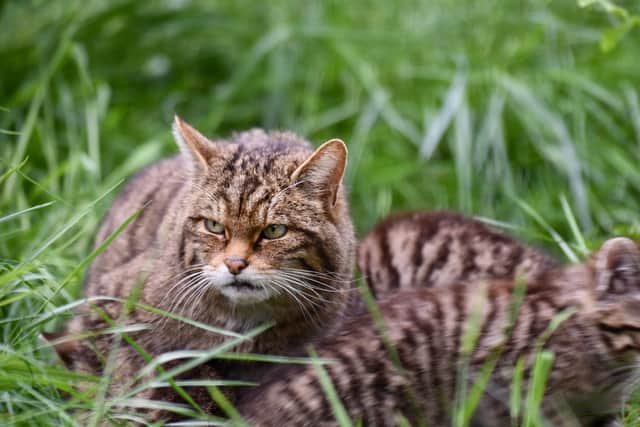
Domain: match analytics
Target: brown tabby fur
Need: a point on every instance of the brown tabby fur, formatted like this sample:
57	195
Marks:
432	249
298	281
596	351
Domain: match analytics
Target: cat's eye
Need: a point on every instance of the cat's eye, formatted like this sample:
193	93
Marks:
274	231
213	226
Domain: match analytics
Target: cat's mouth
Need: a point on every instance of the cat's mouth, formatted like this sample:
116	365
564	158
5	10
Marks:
244	286
244	292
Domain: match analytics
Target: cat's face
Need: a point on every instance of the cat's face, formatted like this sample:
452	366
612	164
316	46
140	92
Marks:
266	221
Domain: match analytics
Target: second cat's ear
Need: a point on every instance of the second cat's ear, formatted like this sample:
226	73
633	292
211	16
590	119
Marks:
192	143
617	268
325	168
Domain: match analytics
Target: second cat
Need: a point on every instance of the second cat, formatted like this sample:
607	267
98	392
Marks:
587	314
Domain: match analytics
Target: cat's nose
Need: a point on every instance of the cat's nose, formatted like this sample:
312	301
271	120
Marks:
235	264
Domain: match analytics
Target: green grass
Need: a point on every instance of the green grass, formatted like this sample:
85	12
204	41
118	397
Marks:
526	112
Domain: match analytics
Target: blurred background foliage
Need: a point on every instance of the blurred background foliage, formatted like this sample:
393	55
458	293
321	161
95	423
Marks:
523	111
477	106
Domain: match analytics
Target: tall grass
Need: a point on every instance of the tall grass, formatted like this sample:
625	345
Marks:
523	111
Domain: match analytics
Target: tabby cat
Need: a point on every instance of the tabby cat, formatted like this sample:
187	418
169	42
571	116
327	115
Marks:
232	234
596	347
432	249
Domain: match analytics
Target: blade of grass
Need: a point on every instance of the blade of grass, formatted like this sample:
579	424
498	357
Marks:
515	401
569	253
330	392
579	238
24	211
227	407
73	221
541	370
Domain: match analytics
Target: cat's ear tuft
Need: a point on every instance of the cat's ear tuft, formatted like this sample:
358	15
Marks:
617	268
192	143
324	169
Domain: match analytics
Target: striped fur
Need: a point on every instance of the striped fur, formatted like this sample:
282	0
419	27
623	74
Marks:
596	351
174	262
433	249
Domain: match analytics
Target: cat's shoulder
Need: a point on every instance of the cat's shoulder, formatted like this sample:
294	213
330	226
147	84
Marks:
146	182
151	184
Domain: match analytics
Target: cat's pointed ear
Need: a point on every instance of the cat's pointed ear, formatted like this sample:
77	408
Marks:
192	143
325	168
617	268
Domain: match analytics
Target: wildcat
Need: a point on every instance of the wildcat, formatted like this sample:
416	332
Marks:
433	249
232	234
596	351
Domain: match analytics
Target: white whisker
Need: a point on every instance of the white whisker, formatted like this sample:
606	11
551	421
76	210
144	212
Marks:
181	282
311	283
314	285
291	292
177	307
196	309
195	297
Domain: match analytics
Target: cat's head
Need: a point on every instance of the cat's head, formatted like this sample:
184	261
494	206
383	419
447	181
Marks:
266	220
616	295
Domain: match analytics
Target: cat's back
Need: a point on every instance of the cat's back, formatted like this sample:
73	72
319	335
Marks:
146	200
432	249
